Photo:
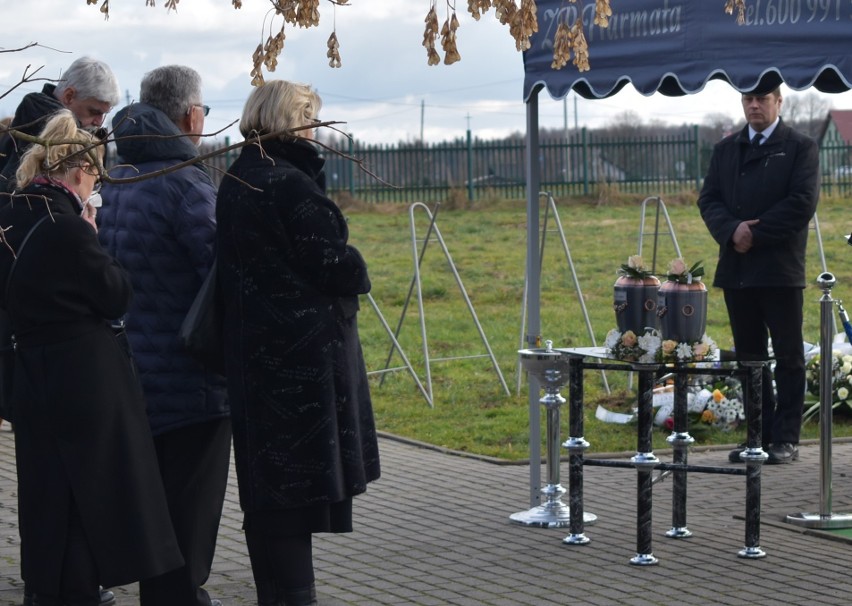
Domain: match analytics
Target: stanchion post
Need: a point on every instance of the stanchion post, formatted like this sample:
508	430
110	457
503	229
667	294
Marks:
825	518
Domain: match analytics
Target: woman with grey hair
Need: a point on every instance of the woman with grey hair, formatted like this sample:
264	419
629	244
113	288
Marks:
304	436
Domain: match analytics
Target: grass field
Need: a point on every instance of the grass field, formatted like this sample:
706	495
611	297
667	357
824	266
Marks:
487	244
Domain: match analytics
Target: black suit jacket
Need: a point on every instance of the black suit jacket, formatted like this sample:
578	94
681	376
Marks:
778	184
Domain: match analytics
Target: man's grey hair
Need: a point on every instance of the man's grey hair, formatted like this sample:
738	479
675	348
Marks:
173	89
90	79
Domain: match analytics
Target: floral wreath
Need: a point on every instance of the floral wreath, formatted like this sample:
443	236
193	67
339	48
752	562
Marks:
650	348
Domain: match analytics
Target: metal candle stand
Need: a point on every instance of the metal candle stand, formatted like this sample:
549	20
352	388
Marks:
550	368
825	518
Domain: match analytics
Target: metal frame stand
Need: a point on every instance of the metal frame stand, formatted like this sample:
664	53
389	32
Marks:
661	209
825	518
551	206
417	285
396	346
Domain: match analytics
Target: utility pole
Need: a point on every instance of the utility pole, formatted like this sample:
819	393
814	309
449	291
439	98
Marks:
422	116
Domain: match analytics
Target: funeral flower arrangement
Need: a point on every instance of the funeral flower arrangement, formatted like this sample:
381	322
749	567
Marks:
635	268
717	405
841	393
650	348
680	273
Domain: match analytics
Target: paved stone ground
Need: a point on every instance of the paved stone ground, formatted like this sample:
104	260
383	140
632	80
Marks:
435	530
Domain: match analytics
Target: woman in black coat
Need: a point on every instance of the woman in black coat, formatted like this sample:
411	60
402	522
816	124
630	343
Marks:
91	505
304	436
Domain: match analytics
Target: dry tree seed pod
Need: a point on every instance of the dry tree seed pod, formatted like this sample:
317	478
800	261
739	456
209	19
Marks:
580	46
171	5
105	10
561	46
237	3
505	10
730	5
430	33
147	2
256	70
603	12
477	8
333	52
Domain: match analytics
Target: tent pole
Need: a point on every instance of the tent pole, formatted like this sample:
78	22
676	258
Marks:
533	338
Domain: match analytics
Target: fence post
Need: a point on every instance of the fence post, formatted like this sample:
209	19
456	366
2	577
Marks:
585	164
351	165
469	167
697	157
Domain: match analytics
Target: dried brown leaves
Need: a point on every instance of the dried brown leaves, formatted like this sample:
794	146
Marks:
739	5
448	40
568	39
477	8
333	52
430	35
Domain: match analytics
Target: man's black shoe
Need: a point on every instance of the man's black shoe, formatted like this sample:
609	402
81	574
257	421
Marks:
734	455
782	452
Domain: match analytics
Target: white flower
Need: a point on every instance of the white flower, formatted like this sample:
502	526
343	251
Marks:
683	351
650	343
842	393
613	337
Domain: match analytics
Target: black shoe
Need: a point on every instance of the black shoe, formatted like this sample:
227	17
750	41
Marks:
782	452
734	455
107	598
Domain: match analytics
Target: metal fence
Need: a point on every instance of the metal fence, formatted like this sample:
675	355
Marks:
582	163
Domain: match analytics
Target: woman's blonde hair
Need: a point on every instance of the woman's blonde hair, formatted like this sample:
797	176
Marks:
65	146
279	105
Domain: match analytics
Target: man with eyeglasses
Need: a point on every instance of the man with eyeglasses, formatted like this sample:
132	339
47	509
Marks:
162	229
88	88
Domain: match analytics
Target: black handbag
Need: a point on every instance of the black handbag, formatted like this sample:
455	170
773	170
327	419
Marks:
201	331
7	338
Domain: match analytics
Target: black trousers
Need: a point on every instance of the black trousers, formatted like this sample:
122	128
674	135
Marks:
758	313
194	464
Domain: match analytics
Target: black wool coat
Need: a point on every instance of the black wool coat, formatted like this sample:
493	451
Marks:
777	183
81	434
302	417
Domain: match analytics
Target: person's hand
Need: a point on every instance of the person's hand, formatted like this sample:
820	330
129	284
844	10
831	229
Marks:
88	215
742	238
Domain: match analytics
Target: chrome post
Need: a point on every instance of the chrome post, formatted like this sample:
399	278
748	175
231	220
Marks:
551	368
825	518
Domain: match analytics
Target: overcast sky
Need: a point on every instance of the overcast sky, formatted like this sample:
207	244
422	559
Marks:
385	92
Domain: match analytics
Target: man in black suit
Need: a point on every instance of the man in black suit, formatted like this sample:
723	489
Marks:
758	198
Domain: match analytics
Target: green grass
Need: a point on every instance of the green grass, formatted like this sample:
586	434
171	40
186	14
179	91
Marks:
488	246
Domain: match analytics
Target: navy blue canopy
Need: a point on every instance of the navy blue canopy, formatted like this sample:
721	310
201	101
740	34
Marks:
675	46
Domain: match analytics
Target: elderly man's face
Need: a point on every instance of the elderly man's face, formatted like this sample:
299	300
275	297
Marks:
89	112
761	110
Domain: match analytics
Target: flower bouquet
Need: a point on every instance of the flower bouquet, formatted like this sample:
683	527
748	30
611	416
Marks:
841	392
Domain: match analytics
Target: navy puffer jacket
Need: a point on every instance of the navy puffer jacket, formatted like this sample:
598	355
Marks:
162	230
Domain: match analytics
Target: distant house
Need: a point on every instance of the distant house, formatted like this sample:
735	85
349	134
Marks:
835	144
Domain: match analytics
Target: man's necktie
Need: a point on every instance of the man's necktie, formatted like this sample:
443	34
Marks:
755	142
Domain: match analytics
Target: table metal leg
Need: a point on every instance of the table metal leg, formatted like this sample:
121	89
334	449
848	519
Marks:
680	440
644	461
753	456
576	446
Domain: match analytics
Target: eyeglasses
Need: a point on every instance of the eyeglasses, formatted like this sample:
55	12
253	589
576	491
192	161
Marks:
205	108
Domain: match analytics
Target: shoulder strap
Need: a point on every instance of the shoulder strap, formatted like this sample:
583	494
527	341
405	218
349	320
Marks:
18	255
